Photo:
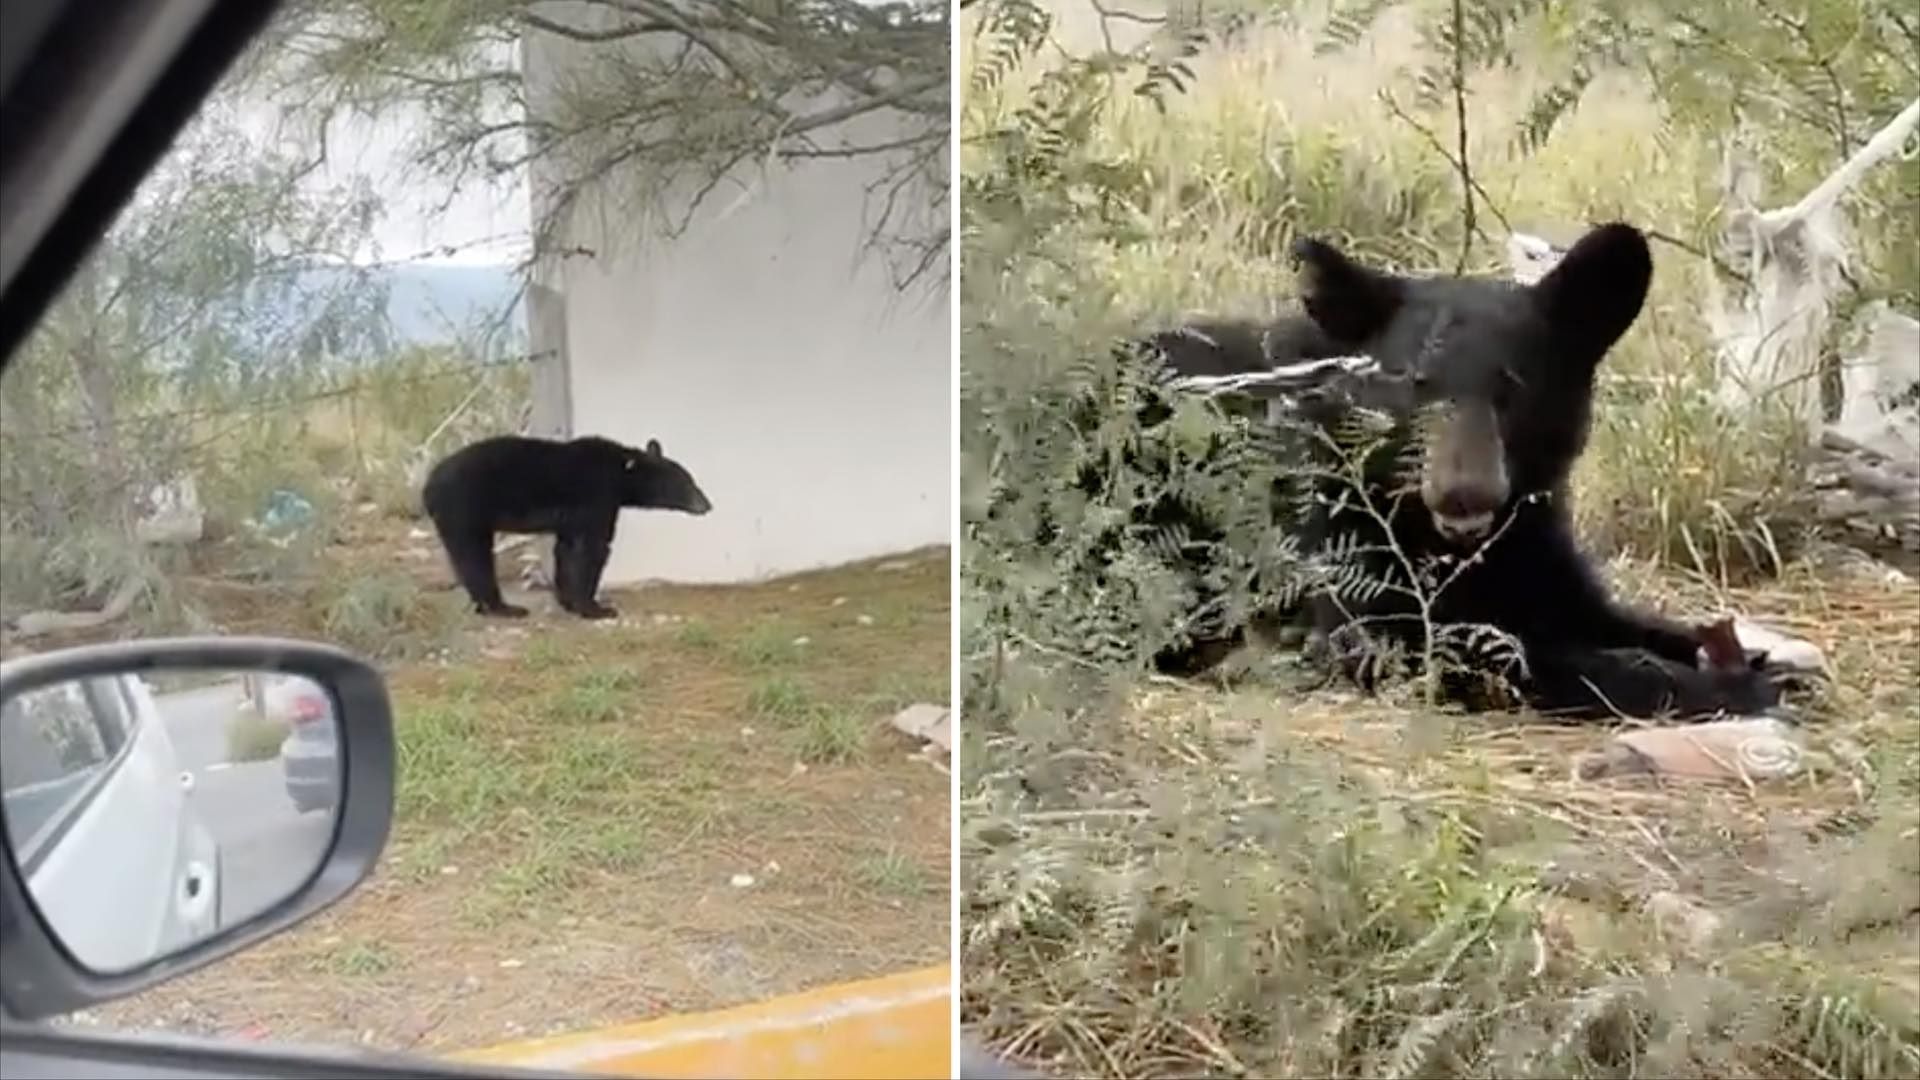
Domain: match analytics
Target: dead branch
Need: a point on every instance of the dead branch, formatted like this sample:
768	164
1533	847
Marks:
40	623
1770	335
1884	144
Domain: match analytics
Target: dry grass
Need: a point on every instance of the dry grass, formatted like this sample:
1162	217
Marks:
1282	881
576	800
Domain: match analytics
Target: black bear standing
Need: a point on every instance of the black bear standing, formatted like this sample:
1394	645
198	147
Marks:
573	490
1498	381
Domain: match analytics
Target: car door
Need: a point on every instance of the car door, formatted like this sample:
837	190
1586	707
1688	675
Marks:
89	787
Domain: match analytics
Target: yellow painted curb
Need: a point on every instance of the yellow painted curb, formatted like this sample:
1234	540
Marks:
897	1027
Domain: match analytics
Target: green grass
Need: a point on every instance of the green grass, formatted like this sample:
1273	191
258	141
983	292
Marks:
695	634
829	735
545	653
358	959
779	698
550	862
599	695
553	779
447	768
891	873
768	645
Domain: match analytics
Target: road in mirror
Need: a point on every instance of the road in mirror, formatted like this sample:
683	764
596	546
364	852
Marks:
149	811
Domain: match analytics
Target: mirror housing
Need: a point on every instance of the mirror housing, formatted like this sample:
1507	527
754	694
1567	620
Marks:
40	977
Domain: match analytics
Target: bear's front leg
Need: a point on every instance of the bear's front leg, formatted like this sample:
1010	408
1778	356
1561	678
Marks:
1366	643
1563	604
587	546
1577	684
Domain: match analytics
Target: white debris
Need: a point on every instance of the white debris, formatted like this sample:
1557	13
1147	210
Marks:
1796	654
929	723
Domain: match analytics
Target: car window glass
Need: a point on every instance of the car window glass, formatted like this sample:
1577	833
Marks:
53	743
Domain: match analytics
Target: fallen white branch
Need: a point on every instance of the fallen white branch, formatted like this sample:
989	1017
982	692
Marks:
173	513
1530	257
1771	335
39	623
1884	144
1279	379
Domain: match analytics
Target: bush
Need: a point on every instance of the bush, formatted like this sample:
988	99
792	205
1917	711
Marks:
252	737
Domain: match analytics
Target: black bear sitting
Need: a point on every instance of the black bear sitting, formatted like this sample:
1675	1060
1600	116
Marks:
572	489
1497	380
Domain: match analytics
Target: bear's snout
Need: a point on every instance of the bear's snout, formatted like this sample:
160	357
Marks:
1464	478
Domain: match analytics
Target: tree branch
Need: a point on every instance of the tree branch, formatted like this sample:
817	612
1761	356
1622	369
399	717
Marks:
1469	225
1393	105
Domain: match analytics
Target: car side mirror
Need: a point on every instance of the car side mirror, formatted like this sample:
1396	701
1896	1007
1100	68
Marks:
166	803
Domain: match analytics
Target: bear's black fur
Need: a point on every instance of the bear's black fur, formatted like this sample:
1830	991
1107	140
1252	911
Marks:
573	490
1498	380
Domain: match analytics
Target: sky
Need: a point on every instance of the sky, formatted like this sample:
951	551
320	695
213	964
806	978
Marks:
484	223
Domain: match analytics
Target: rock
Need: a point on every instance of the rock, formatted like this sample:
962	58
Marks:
864	620
742	881
1750	748
929	723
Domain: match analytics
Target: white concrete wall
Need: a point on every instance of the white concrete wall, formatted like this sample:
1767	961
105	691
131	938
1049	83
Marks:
807	395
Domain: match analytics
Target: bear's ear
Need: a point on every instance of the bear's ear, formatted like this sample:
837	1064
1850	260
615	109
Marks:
1596	291
653	447
1347	300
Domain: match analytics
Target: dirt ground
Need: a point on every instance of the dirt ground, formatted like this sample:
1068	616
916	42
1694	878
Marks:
695	805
